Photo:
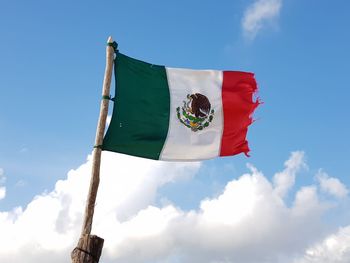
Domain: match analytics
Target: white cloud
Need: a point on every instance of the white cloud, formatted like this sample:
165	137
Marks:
335	249
248	222
331	185
258	14
284	180
48	228
2	181
2	192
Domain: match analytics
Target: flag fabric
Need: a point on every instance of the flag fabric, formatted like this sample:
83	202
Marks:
179	114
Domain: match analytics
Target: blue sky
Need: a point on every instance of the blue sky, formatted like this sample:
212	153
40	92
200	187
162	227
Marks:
52	58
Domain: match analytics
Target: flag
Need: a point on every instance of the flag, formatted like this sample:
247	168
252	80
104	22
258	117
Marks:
179	114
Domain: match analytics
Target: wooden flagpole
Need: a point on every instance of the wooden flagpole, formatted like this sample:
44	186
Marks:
89	247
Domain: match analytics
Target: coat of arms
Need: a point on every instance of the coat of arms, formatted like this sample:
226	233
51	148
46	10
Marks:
196	112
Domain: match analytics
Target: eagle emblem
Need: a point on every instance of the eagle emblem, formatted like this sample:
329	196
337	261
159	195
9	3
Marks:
196	112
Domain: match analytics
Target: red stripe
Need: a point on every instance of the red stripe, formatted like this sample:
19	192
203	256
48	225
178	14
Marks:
237	98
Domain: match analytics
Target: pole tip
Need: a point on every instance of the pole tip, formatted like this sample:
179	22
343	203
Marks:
110	39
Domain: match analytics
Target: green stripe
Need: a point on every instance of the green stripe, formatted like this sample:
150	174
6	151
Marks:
140	119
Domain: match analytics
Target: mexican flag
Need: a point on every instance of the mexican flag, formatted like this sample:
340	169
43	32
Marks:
179	114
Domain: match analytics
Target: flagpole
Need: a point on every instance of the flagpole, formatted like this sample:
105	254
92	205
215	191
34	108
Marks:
89	247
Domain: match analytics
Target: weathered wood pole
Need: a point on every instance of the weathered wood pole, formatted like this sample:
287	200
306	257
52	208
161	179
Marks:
89	247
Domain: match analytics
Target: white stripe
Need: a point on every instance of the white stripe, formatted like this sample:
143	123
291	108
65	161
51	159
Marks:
182	143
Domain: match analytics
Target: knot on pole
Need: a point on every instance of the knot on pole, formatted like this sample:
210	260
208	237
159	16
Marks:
114	45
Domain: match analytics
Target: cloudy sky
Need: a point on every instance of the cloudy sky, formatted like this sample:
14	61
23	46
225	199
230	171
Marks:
288	202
